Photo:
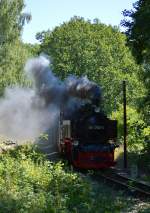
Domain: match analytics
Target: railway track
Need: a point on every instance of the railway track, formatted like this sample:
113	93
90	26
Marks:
121	180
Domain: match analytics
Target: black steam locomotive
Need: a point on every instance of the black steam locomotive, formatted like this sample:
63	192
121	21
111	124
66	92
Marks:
88	138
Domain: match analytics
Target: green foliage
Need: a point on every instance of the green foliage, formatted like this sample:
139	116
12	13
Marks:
31	184
137	28
12	60
84	48
137	130
11	20
13	53
144	104
33	49
136	23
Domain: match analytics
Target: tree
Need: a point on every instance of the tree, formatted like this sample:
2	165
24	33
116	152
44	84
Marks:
12	63
138	132
136	23
12	20
91	48
13	52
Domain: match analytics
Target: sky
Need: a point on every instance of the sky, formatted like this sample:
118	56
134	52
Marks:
47	14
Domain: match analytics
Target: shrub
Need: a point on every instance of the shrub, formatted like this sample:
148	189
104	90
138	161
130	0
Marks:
137	129
30	184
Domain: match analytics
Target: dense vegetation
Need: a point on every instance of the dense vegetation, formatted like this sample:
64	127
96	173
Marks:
29	183
13	53
82	47
136	23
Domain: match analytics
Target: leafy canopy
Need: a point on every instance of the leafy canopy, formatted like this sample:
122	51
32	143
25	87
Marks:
13	52
136	23
91	48
12	20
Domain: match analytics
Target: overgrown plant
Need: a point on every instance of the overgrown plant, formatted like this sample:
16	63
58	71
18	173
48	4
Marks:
29	183
137	129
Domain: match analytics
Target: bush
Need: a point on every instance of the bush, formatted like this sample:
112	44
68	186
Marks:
30	184
137	130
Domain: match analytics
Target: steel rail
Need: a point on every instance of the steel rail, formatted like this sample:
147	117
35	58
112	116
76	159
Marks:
134	186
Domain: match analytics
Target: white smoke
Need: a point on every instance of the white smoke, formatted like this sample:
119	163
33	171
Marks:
26	113
22	115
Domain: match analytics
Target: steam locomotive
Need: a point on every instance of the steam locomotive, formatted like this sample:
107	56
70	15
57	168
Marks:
88	138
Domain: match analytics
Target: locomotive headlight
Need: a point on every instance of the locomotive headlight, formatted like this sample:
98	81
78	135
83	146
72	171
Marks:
76	143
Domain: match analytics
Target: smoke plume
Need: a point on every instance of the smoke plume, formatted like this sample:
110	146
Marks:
26	113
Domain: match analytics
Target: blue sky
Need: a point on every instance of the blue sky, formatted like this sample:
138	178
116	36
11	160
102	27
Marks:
46	14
